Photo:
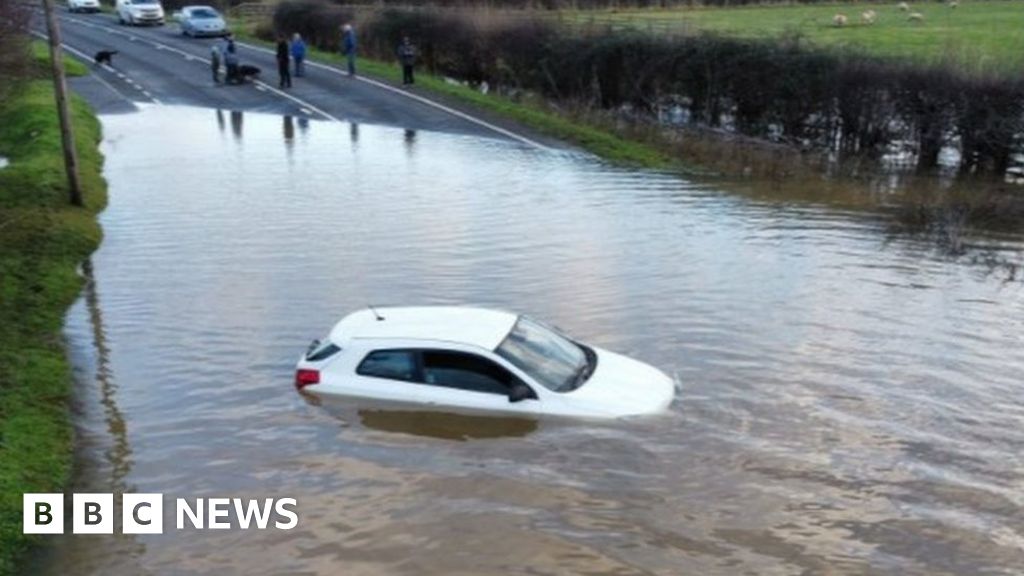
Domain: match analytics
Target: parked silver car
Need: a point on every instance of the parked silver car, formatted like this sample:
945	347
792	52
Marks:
198	21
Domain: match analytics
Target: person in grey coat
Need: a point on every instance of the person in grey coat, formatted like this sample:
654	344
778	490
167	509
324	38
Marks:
216	55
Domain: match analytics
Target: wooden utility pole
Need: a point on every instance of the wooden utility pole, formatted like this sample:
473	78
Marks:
60	89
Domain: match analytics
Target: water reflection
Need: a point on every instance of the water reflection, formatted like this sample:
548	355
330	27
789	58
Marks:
120	452
849	403
446	426
409	138
236	124
288	124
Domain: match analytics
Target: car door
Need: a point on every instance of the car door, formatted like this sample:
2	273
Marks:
467	380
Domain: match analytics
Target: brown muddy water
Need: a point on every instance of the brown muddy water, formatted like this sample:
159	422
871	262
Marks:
851	402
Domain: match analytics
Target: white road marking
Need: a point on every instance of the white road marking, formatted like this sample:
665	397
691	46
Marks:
418	98
381	85
84	56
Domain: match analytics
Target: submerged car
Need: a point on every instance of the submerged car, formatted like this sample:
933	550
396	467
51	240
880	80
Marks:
478	360
199	21
83	6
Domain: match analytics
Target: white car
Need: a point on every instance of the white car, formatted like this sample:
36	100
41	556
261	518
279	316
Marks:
478	360
136	12
198	21
83	6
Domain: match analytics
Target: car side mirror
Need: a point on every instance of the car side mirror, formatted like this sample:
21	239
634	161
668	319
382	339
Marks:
519	392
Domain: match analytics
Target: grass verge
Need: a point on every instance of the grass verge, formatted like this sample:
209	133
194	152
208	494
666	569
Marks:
42	241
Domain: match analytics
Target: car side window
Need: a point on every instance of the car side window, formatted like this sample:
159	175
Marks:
392	364
465	372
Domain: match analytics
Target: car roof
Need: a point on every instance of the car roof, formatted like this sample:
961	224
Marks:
462	325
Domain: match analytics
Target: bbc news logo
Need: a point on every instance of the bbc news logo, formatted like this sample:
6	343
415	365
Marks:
144	513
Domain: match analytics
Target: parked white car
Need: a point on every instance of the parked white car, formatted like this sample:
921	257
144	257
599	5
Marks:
83	6
478	360
199	21
138	12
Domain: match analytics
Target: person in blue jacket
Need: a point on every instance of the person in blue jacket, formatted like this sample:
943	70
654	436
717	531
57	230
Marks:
299	54
348	47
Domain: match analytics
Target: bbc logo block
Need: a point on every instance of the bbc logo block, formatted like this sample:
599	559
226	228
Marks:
93	514
43	513
144	513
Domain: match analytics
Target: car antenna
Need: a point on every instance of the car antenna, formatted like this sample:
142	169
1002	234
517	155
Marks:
375	314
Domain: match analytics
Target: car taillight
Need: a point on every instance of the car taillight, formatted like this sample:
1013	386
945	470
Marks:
304	378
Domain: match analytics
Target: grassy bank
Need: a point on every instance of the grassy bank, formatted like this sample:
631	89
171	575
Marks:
976	36
42	241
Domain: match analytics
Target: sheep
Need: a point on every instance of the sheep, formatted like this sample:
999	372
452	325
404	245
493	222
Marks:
915	17
839	20
903	6
953	3
868	17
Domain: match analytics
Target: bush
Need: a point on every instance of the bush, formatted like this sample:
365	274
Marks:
15	53
318	23
844	105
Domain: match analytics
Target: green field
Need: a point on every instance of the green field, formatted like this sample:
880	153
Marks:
977	36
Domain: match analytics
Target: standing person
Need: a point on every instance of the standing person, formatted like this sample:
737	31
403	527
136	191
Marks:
348	47
216	55
299	54
283	58
407	58
231	62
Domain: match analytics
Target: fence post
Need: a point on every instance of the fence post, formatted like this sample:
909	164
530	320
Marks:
60	89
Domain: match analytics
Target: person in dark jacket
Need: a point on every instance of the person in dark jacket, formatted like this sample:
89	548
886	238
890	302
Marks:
283	63
231	62
348	47
299	54
407	58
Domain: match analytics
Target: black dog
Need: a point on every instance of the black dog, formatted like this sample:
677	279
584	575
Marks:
104	57
248	72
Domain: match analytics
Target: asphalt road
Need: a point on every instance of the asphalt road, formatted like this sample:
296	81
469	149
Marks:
159	65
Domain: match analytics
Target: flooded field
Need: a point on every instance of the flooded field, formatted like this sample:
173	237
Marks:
850	403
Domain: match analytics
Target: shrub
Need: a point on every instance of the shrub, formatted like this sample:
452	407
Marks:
842	104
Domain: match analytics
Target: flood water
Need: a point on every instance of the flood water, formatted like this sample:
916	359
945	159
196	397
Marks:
851	402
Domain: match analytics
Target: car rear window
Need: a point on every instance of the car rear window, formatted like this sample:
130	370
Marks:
323	352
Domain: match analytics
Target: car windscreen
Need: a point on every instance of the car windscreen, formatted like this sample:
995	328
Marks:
203	13
137	2
551	359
